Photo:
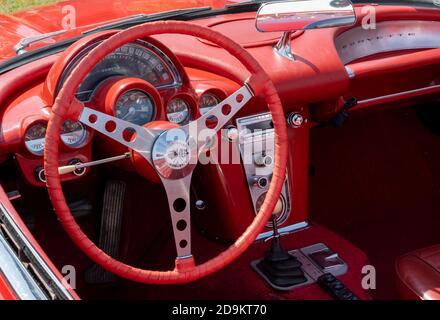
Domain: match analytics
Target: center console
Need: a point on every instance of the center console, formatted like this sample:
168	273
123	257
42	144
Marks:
257	145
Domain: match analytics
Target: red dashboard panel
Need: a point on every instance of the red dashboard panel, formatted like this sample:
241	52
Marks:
316	78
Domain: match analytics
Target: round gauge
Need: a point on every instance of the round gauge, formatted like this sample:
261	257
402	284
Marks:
34	138
280	209
135	106
73	134
178	111
207	102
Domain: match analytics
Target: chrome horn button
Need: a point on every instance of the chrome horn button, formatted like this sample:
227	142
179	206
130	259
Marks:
173	155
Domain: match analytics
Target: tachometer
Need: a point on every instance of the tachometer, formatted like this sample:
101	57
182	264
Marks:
135	106
178	111
207	102
73	134
34	138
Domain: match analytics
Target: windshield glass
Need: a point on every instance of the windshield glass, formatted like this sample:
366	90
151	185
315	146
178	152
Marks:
30	24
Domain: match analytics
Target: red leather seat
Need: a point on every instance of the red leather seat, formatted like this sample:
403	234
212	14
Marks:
418	274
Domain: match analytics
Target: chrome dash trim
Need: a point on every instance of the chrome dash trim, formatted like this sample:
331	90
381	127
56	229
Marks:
387	36
434	89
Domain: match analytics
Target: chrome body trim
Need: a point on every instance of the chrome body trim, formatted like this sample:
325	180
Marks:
18	278
57	288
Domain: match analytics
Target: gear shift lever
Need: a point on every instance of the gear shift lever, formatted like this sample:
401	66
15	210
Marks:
280	268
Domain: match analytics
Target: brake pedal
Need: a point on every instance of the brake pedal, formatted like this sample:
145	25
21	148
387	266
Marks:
110	233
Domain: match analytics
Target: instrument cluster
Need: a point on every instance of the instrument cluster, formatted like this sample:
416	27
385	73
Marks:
138	83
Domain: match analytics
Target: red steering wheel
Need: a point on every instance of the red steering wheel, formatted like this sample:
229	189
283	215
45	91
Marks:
156	146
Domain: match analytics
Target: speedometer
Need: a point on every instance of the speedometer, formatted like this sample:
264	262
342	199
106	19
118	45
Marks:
137	60
34	138
73	134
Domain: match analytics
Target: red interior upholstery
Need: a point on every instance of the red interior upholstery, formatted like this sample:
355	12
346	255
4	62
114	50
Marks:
418	274
381	196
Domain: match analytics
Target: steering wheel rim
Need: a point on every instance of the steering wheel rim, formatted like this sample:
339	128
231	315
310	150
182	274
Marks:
66	106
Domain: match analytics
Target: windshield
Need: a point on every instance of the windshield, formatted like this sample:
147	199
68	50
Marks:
30	24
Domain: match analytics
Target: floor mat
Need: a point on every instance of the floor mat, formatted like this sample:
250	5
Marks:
376	182
239	280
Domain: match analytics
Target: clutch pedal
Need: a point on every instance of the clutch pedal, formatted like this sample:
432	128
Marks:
110	233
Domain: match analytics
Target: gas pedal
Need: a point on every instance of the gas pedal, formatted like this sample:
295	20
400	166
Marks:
110	233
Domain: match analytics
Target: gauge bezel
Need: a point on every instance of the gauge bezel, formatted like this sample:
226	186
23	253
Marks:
84	140
147	45
112	89
282	217
218	94
27	127
192	107
154	113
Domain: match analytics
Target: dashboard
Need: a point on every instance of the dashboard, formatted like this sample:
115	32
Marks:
139	82
176	79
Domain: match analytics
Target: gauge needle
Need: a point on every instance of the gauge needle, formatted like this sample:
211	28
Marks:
79	165
130	112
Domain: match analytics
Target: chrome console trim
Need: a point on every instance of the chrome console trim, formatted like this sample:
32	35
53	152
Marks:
20	279
388	36
258	144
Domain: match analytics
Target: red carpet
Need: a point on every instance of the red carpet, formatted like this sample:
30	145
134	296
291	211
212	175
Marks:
239	281
376	183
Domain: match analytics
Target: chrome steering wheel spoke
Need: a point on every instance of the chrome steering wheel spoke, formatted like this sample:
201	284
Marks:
216	118
178	194
126	133
173	153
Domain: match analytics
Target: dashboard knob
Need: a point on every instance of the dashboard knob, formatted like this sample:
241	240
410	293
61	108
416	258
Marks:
232	133
295	120
200	204
79	171
261	182
39	174
263	160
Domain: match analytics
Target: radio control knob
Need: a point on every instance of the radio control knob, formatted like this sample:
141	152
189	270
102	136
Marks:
263	160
